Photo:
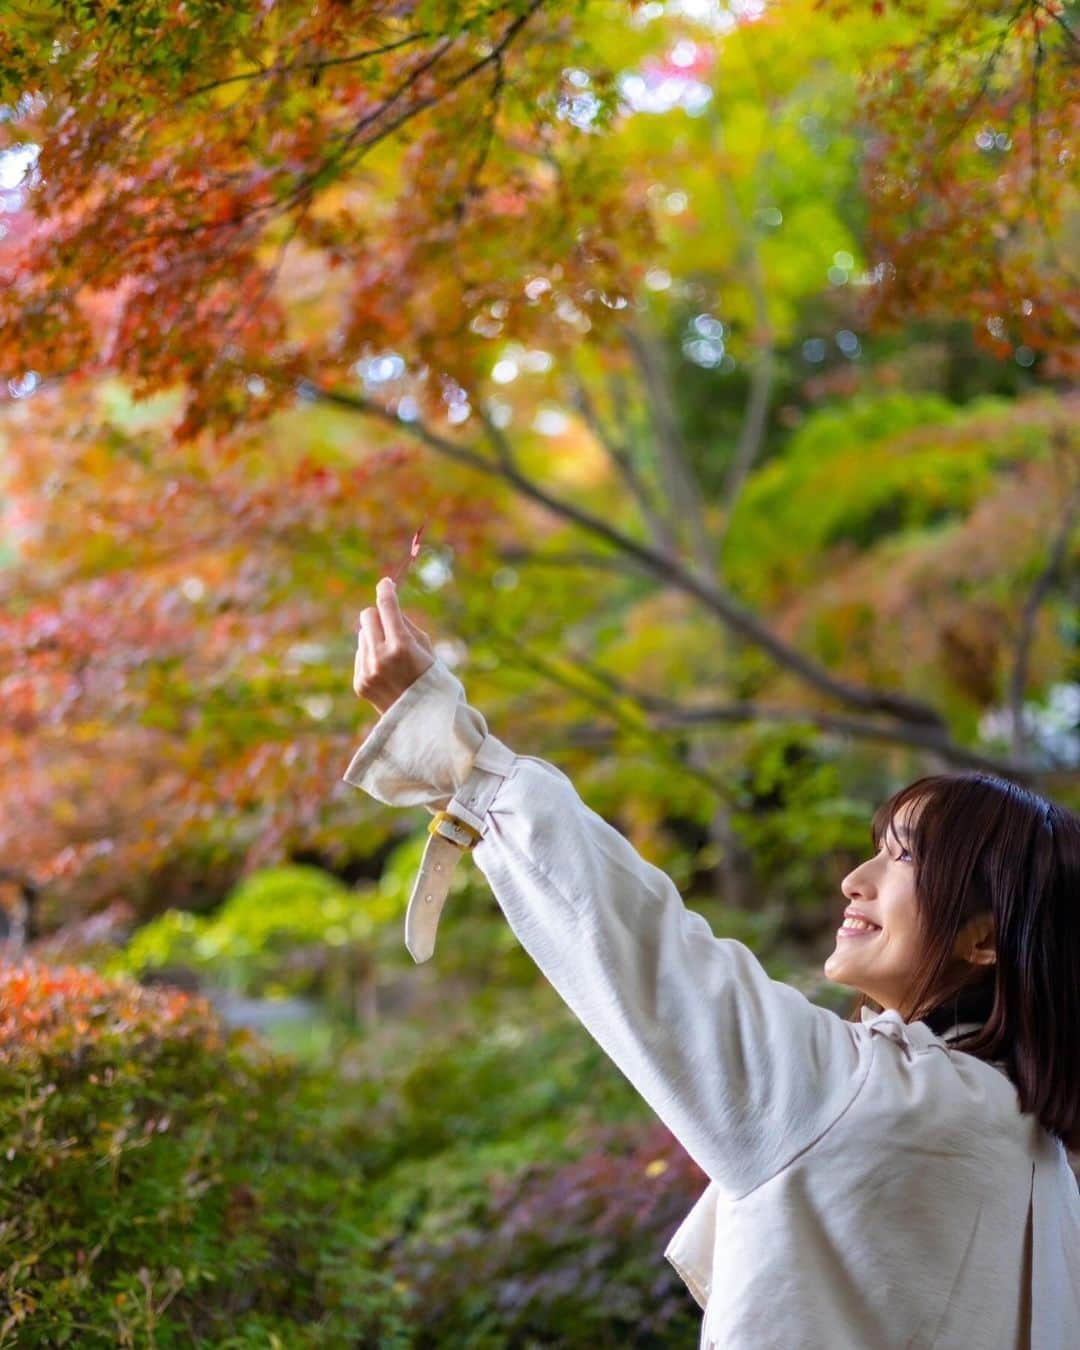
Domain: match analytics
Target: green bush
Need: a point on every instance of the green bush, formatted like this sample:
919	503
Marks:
167	1185
276	933
932	462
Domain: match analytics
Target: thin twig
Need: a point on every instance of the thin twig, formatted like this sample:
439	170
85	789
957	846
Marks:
1060	20
683	489
472	188
619	455
965	117
500	443
1033	116
264	72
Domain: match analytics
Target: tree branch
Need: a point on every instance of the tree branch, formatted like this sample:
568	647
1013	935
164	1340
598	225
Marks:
669	714
683	489
472	188
715	599
888	734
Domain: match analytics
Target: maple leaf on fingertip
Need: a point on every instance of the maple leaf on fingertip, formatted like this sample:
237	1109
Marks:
414	551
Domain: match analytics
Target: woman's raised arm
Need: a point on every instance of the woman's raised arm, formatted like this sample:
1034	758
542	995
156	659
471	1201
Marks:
743	1069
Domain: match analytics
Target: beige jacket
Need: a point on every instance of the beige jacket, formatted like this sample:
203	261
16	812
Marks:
870	1188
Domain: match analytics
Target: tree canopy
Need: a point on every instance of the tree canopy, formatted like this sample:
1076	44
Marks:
656	316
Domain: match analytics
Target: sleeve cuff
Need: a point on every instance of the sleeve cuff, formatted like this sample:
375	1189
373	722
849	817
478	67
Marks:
424	746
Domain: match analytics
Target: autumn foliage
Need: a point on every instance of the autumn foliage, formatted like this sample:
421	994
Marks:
705	373
283	284
971	172
149	1161
47	1012
247	145
202	167
568	1253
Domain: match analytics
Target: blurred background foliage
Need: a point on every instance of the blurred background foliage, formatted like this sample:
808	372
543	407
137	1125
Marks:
650	315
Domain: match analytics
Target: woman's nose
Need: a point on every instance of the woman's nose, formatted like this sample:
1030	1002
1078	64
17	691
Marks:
856	885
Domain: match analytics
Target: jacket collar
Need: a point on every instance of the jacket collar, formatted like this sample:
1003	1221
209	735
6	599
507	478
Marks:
958	1015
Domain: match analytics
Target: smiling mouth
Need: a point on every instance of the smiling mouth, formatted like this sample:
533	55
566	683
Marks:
856	928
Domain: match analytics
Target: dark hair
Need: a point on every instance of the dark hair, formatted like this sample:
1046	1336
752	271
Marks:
983	844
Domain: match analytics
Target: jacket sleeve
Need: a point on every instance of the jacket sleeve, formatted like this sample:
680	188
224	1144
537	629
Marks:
744	1070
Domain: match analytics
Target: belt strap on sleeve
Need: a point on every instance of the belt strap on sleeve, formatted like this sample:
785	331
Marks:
452	833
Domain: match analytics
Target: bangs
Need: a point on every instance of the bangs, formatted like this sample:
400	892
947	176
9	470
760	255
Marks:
884	818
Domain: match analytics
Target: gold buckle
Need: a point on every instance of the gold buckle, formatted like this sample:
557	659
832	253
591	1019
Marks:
454	825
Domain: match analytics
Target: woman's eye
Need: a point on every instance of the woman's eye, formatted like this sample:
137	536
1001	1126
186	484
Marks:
905	855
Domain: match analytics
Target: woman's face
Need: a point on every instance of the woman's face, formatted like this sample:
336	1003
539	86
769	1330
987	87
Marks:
881	961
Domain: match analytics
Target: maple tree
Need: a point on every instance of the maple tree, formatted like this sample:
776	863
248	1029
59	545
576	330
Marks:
971	172
285	283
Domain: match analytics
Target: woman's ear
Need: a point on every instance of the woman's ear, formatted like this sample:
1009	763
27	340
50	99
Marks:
975	942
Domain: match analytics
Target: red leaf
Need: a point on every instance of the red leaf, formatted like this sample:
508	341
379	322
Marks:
414	550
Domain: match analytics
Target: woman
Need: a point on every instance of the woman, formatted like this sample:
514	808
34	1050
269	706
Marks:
899	1180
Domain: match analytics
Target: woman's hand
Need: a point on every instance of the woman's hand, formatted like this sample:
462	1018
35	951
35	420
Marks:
391	652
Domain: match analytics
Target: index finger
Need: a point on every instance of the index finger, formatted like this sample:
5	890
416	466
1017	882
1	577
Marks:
393	620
